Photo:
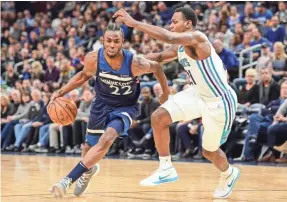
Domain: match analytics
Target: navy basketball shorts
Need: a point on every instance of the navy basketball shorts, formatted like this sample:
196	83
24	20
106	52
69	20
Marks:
103	116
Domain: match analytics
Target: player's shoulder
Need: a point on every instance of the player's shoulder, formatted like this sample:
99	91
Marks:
200	36
91	56
128	53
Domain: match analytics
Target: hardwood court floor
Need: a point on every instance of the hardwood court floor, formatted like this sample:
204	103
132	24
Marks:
28	178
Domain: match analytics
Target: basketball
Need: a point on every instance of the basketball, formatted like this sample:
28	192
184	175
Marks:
62	111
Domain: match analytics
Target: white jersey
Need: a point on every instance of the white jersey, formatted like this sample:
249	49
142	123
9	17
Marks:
208	77
210	97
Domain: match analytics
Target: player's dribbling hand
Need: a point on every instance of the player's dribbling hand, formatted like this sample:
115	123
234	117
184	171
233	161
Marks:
122	16
55	95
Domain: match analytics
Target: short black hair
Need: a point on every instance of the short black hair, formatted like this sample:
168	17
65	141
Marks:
114	27
189	14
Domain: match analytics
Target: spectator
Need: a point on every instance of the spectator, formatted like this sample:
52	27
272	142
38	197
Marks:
157	90
238	29
26	86
73	35
258	38
279	62
249	94
33	40
268	89
8	130
282	12
228	58
22	129
141	128
265	60
6	110
233	18
75	96
245	44
228	35
66	71
276	134
276	32
165	13
248	16
26	73
260	122
10	76
52	72
40	125
16	100
262	14
188	133
54	131
29	21
80	124
37	71
208	11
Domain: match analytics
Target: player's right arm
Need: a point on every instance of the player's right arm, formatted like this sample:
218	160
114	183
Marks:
89	70
165	56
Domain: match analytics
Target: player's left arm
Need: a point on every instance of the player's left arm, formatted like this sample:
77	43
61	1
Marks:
186	39
141	65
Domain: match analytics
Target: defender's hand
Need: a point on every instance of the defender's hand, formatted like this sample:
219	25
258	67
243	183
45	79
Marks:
122	16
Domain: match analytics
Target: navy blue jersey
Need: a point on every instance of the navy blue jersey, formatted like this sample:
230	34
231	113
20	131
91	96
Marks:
116	88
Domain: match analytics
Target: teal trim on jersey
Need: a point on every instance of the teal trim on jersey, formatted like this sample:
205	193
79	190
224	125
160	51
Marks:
216	73
181	49
223	100
214	77
228	91
202	73
234	102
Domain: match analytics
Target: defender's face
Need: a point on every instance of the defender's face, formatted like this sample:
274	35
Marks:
178	22
113	42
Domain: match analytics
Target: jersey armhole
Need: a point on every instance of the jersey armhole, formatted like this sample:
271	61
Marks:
98	61
130	64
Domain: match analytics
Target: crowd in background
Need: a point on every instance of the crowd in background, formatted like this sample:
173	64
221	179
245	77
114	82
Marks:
43	45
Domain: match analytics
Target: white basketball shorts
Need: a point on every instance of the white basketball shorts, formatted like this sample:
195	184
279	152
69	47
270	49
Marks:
217	114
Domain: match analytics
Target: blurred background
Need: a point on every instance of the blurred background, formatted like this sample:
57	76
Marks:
43	45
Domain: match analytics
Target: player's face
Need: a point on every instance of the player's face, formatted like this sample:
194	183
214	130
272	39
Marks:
113	42
178	23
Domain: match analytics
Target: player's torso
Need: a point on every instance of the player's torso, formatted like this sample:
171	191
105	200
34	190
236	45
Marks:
116	88
208	77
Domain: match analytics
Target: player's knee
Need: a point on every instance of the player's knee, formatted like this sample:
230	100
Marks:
160	118
208	154
108	138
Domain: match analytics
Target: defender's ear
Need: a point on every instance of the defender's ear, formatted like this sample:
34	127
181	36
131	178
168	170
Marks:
188	24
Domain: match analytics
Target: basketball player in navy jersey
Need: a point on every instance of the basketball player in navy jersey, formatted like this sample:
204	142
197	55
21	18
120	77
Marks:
209	96
114	107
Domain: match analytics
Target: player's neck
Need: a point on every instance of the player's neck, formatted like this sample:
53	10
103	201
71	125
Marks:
116	61
190	30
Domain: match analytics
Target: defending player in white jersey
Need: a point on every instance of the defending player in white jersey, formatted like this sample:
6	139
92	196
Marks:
210	96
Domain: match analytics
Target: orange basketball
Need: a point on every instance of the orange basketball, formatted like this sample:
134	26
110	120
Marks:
62	111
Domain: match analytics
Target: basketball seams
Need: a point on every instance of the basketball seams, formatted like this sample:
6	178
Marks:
49	107
57	115
65	110
71	111
76	109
